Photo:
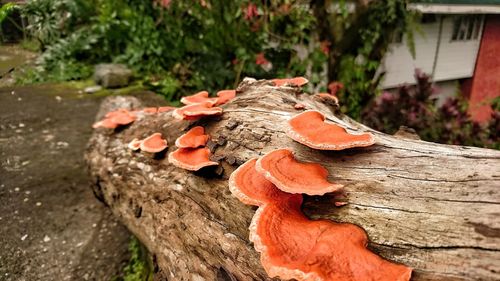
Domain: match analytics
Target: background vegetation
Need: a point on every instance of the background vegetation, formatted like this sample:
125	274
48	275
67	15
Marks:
177	48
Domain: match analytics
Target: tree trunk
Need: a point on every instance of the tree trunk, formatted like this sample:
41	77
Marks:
433	207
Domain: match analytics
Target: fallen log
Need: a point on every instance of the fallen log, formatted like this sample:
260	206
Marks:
433	207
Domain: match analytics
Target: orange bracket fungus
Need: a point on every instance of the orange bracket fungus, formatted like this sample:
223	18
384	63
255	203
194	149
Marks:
115	118
282	169
309	128
193	138
297	81
195	111
294	247
191	159
252	188
200	97
135	144
154	143
225	96
299	106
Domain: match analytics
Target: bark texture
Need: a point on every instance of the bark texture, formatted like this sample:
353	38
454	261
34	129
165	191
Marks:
433	207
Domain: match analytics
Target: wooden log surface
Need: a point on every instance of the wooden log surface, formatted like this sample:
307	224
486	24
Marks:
433	207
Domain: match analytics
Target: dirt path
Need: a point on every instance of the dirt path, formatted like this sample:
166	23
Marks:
51	225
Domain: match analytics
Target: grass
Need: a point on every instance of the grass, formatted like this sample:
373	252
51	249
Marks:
140	266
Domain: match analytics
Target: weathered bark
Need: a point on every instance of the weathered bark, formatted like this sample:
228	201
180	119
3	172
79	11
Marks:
433	207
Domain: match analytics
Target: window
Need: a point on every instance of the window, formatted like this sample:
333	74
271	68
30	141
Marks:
466	28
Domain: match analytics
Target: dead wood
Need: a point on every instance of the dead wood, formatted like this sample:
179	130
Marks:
433	207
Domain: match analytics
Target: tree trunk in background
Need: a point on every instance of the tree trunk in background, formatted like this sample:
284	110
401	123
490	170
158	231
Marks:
429	206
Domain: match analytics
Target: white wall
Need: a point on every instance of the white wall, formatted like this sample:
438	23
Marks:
455	59
399	65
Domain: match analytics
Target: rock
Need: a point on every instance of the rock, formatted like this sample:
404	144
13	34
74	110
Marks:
112	75
92	89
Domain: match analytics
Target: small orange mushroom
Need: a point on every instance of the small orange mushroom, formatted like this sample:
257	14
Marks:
195	111
327	98
150	110
115	118
165	108
309	128
282	169
154	143
191	159
135	144
225	96
299	106
200	97
193	138
252	188
297	81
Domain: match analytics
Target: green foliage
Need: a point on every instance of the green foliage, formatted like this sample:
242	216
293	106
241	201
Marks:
139	267
416	108
181	48
359	45
6	10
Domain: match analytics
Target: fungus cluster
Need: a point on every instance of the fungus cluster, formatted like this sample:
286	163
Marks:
191	153
200	104
153	144
295	247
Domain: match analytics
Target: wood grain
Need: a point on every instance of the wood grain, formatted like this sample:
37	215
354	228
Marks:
433	207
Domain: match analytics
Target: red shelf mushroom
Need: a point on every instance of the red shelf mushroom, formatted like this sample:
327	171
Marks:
154	143
195	111
151	110
252	188
297	81
191	159
282	169
294	247
309	128
225	96
200	97
193	138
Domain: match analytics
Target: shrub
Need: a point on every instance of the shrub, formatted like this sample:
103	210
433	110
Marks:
415	107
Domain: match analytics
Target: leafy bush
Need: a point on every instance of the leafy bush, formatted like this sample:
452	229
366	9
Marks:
181	47
415	107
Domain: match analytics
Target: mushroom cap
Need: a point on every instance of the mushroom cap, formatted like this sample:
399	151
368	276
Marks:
193	138
105	123
150	110
191	159
225	96
122	117
195	111
310	129
328	98
282	169
299	106
200	97
252	188
297	81
294	247
154	143
135	144
165	108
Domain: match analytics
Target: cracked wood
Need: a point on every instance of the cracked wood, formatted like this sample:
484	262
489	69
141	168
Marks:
433	207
